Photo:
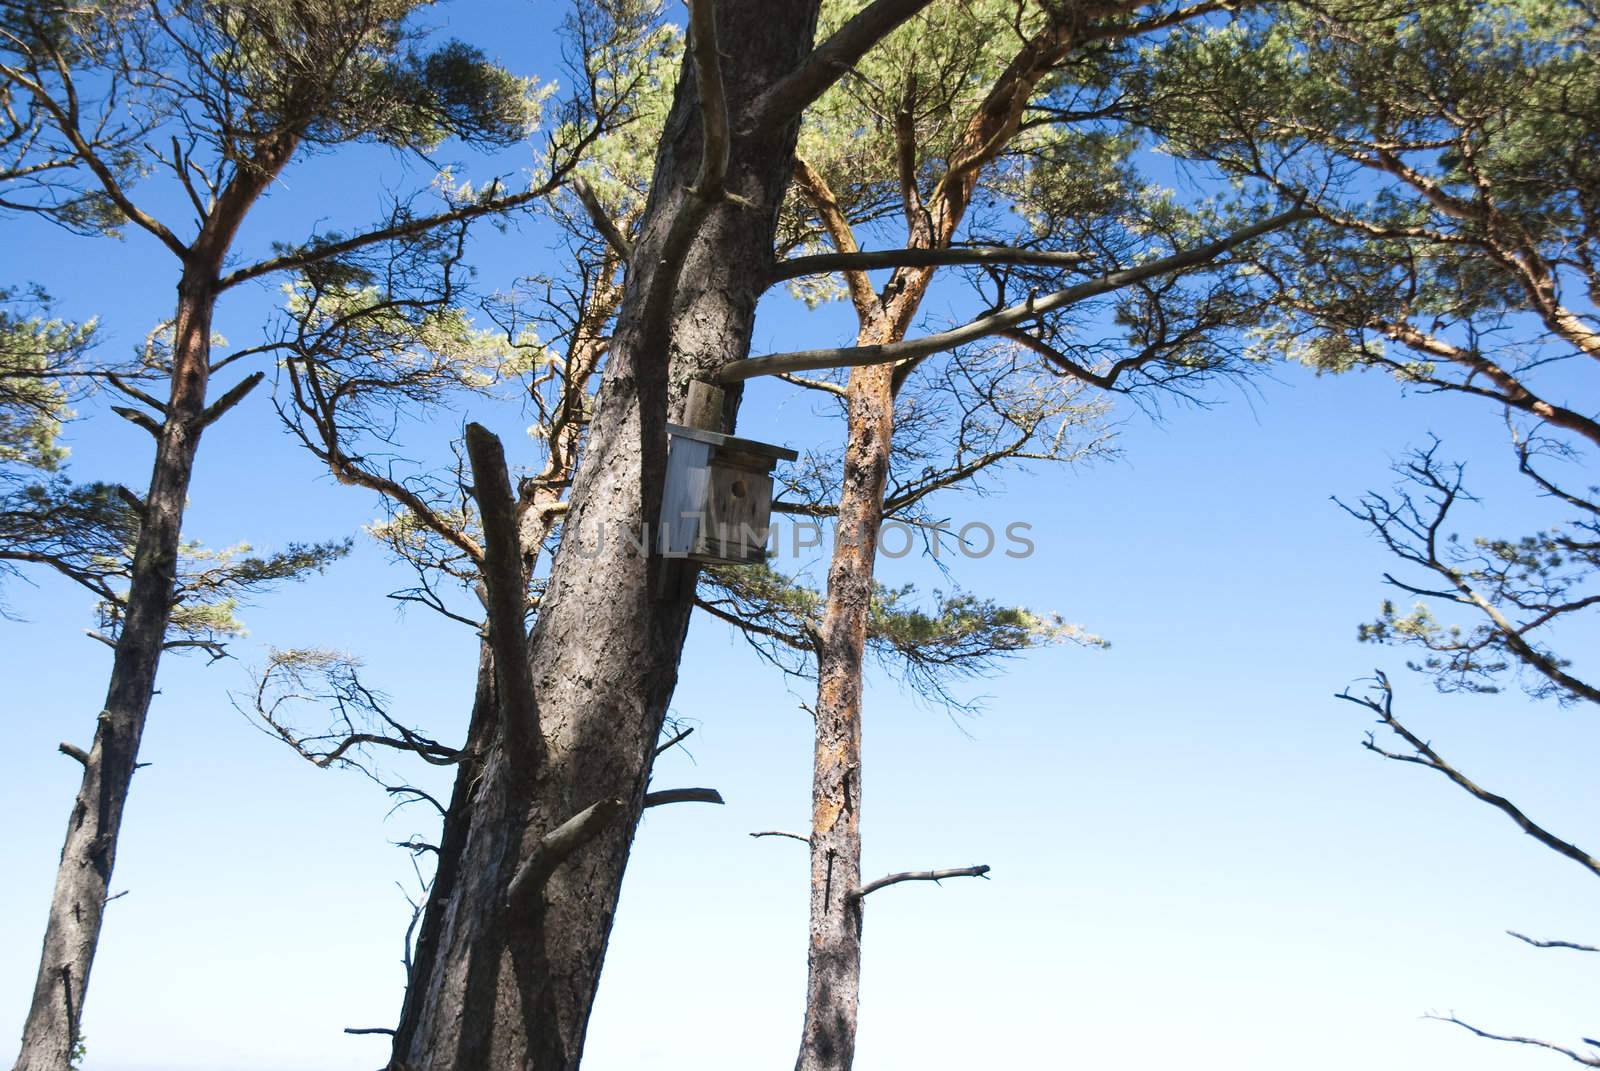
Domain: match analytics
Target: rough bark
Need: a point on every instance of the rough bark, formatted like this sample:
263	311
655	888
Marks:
510	986
834	961
77	904
833	979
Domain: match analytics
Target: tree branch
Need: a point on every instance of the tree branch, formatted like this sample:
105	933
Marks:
675	741
827	63
920	875
65	118
557	845
867	260
1552	944
682	795
1424	755
233	397
781	833
602	222
133	416
709	184
1005	319
507	602
316	253
826	205
1587	1061
135	393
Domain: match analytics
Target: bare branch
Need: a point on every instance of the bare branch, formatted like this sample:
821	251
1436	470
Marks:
781	833
1552	944
920	875
1586	1060
233	397
507	584
675	741
868	260
682	795
143	420
73	751
1005	319
709	184
416	794
1424	755
822	385
135	393
602	222
828	63
558	844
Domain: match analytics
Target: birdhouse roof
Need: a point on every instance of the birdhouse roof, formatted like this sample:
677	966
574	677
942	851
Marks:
732	442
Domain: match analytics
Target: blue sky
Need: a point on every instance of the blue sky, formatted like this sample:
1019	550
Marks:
1193	859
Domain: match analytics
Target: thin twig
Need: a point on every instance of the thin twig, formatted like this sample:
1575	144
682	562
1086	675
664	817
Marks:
783	833
1552	944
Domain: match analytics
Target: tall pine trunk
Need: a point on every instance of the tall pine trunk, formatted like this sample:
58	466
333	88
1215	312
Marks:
51	1032
500	986
83	880
834	962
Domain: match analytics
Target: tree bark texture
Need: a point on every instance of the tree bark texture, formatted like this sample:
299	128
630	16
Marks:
833	980
834	960
501	985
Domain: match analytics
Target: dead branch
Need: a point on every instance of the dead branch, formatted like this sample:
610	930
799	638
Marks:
675	741
868	260
416	794
507	601
1515	1039
782	833
1005	319
601	220
828	62
320	252
135	393
709	184
920	875
1425	755
1552	944
682	795
557	845
232	398
133	416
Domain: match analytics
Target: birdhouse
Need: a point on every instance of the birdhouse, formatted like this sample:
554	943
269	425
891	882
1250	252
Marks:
717	503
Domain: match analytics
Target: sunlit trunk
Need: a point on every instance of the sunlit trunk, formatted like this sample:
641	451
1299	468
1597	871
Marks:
834	962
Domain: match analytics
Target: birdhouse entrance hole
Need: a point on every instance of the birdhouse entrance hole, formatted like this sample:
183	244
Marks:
716	505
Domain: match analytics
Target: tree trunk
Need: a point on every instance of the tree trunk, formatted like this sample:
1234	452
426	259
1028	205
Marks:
833	975
502	987
77	905
83	880
834	963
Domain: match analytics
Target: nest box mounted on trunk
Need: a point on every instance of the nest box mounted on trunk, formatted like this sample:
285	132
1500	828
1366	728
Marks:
717	503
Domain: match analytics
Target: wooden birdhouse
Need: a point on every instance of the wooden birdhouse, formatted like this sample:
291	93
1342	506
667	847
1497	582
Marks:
717	503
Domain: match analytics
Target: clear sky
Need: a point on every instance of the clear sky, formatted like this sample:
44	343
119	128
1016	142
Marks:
1193	859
